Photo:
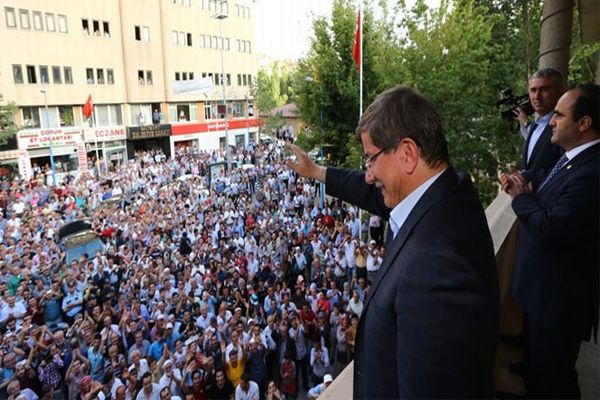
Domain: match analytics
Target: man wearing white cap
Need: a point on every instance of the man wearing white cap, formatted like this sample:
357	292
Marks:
316	391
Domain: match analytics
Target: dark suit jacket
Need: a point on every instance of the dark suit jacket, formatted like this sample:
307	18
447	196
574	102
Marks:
429	327
544	155
556	275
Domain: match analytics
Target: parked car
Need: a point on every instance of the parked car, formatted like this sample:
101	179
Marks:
78	238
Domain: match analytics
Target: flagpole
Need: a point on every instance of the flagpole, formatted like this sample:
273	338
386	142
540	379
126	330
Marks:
360	67
360	99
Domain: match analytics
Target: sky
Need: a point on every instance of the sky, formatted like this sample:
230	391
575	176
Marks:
283	27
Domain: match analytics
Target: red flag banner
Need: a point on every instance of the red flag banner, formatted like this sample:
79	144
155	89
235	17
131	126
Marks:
356	49
88	107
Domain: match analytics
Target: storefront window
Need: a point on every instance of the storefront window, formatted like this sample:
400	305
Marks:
239	141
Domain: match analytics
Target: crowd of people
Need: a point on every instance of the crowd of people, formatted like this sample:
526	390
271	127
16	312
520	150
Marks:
239	286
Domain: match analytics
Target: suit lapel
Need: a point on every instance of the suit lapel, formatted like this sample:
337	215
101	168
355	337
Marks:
438	189
544	138
571	166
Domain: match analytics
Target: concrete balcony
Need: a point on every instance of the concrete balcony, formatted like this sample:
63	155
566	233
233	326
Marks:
502	223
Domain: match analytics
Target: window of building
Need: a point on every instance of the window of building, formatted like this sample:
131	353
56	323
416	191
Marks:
62	23
239	76
105	28
31	75
85	26
183	112
38	25
65	116
17	73
100	76
238	42
89	76
96	27
56	77
235	108
141	114
217	79
137	33
202	41
226	44
140	75
9	14
146	33
177	76
191	75
237	10
244	80
44	78
68	75
249	80
31	117
182	38
215	42
204	74
184	76
110	76
108	115
149	80
189	39
228	76
224	7
50	117
24	18
50	24
207	111
174	37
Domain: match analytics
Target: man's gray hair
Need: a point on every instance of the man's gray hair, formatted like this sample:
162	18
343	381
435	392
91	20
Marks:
549	73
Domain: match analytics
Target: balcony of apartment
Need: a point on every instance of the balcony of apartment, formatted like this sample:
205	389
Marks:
502	223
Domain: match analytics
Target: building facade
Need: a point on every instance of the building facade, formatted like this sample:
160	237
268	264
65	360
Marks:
125	56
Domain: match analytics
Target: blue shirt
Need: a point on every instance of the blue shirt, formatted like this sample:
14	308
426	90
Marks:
402	210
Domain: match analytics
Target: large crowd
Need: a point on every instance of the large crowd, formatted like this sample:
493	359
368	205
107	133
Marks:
238	286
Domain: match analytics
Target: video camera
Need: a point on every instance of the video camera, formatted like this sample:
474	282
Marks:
509	102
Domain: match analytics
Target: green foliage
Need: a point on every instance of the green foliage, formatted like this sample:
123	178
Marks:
460	56
270	89
7	122
274	122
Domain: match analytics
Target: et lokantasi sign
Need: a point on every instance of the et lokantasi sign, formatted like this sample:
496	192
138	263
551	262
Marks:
41	138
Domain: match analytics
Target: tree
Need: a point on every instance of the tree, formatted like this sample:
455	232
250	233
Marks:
267	89
8	129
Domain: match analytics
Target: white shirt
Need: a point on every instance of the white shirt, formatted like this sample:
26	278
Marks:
571	154
541	122
251	394
402	210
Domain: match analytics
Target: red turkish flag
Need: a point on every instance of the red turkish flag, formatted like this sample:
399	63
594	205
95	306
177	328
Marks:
88	107
356	49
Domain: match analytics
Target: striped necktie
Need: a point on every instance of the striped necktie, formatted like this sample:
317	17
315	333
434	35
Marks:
559	164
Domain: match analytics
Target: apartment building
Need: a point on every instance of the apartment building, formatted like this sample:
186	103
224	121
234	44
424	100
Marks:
125	57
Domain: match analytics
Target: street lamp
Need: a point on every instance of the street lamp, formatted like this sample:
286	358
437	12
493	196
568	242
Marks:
47	123
310	79
220	16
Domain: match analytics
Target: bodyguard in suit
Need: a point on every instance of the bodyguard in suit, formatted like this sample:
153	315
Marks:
545	88
556	275
430	323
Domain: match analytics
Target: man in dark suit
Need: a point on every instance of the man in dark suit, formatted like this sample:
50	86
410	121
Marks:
545	87
556	275
430	323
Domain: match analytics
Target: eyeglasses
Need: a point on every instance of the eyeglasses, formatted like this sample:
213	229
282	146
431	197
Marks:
368	161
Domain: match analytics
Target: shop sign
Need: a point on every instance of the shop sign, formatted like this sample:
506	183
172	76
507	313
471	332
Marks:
148	132
103	134
25	170
40	138
82	158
